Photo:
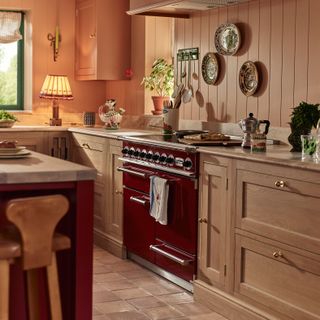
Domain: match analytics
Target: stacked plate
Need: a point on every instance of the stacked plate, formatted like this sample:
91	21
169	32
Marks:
14	153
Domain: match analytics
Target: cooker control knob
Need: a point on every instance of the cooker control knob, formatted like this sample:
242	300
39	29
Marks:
187	164
125	150
143	154
149	155
156	156
163	157
131	152
136	153
170	159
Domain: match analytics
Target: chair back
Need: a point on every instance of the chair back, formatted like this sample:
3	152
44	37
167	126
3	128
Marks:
36	219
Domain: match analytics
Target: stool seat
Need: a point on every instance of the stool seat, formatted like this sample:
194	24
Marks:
60	242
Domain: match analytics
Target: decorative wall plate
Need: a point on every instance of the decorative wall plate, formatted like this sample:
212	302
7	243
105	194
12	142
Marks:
248	78
210	68
227	39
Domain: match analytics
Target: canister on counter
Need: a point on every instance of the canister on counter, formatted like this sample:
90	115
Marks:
258	142
89	119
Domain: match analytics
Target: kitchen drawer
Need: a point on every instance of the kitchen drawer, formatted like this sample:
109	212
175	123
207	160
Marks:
278	278
279	207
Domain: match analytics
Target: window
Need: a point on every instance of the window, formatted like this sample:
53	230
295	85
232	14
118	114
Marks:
11	62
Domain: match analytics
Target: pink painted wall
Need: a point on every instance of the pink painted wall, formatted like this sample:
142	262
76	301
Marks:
45	14
282	35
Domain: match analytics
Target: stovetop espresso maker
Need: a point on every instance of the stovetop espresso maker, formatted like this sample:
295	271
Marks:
250	126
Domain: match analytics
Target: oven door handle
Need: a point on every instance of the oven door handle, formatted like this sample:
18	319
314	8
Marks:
133	172
139	200
183	262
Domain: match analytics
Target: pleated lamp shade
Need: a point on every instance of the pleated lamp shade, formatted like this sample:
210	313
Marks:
56	87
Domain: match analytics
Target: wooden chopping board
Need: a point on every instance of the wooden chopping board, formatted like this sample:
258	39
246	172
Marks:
226	143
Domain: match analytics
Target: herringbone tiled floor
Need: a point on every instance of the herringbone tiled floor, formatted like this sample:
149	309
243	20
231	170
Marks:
123	290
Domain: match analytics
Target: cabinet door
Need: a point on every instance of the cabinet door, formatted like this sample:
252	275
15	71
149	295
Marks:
86	39
59	145
114	212
212	224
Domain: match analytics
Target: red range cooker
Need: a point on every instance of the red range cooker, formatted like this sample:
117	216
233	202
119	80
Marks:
170	250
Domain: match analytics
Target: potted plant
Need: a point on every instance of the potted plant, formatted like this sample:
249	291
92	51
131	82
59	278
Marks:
161	81
304	117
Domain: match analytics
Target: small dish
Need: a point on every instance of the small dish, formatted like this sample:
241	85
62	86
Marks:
210	68
7	123
248	78
227	39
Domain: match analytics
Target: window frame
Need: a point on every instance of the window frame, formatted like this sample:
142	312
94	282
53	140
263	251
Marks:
20	70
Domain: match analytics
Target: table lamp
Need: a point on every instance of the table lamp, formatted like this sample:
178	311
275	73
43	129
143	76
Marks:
56	87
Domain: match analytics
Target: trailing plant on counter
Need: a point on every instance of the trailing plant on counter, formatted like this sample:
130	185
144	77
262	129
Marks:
304	117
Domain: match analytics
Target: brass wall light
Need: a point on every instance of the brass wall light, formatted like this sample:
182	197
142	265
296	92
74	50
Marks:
54	42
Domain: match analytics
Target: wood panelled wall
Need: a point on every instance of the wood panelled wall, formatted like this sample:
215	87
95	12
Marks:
281	35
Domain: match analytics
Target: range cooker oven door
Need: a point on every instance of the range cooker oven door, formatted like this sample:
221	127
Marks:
172	246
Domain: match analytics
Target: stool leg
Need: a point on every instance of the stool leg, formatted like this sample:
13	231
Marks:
4	289
33	294
53	286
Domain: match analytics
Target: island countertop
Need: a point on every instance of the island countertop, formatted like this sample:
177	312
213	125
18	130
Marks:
40	168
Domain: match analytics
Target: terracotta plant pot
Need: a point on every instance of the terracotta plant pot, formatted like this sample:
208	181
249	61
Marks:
158	104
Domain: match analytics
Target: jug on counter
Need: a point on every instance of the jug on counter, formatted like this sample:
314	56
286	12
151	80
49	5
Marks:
249	127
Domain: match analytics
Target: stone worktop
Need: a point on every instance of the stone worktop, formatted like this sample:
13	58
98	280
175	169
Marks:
40	168
275	154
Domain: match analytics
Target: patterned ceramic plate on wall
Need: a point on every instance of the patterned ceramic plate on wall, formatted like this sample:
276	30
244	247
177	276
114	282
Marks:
227	39
210	68
248	78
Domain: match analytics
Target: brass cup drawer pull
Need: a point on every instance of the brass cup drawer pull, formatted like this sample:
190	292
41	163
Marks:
203	220
118	192
280	184
278	254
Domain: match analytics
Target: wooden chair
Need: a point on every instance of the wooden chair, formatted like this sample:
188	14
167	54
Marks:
34	242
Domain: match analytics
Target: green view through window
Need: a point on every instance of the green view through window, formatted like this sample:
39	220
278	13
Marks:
11	70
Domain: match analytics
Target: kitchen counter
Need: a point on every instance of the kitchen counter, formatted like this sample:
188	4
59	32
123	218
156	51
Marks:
39	168
276	154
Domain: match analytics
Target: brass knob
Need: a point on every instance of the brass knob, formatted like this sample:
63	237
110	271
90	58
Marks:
280	184
203	220
278	254
92	36
118	192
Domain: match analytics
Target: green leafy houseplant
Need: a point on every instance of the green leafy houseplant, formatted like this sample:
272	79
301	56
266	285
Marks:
160	80
304	117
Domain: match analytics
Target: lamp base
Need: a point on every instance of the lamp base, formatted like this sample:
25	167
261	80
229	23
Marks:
55	122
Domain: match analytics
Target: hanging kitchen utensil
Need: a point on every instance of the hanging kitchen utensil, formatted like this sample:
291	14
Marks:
199	96
188	92
194	74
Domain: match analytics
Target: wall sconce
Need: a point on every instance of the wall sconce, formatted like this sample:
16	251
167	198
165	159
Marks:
54	42
56	87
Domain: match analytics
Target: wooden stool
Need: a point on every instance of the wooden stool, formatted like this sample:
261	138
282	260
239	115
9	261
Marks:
34	241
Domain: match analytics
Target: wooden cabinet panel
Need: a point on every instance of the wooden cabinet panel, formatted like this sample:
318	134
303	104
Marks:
288	212
278	278
212	222
103	39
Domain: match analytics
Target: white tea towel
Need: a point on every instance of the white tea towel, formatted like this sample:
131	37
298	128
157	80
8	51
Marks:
159	192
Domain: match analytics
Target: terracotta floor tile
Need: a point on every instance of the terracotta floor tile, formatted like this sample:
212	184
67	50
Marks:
108	259
136	274
118	284
161	313
159	289
104	296
114	306
128	315
131	293
126	265
96	312
98	287
146	302
102	269
99	318
191	309
176	298
111	276
209	316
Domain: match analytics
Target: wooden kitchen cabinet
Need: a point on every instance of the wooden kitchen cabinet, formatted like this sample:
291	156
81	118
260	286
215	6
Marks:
59	145
213	218
35	141
102	154
103	39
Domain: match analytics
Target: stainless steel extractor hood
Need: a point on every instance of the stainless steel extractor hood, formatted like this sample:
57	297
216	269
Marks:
176	8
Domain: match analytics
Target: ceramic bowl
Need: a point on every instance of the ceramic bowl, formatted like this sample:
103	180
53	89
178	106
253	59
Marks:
6	123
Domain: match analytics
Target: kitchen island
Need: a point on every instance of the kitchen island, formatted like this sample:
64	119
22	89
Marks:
39	174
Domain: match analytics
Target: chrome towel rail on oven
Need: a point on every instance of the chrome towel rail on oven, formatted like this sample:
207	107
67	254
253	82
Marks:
133	172
139	200
183	262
